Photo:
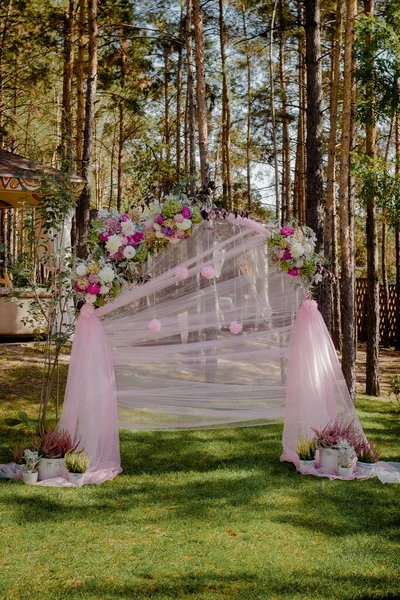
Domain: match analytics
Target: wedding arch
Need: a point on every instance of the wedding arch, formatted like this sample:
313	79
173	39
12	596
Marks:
215	335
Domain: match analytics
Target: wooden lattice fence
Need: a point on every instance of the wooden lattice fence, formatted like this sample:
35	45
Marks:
388	320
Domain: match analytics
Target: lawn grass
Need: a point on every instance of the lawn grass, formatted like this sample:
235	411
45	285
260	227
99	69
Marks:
208	515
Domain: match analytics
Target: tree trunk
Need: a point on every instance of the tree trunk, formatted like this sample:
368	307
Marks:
80	108
372	373
201	95
226	118
248	119
272	105
167	139
178	113
121	137
397	237
314	210
82	211
299	191
346	233
286	175
330	241
190	98
66	117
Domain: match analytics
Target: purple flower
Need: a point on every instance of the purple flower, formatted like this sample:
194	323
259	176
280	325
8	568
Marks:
138	237
112	225
93	278
186	212
287	255
124	218
168	231
287	230
160	219
293	272
131	240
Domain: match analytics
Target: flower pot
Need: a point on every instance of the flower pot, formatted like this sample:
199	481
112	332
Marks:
306	466
51	467
345	471
77	479
30	477
328	459
365	469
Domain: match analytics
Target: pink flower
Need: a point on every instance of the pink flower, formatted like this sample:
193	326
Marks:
154	325
235	327
181	273
280	254
148	224
104	237
77	288
124	218
112	225
138	237
160	219
124	241
208	272
93	289
287	230
179	218
181	235
93	278
293	272
287	255
186	212
299	263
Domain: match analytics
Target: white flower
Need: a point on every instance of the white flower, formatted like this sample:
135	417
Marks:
104	290
157	227
113	243
81	270
307	248
317	277
129	252
127	227
106	275
160	235
186	224
296	250
90	298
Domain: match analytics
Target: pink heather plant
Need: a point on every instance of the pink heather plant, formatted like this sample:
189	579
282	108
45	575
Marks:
54	443
336	430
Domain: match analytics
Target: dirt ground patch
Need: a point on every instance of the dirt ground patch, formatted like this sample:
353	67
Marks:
389	365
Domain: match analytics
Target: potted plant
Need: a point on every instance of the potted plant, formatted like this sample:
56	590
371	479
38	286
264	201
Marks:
367	456
77	464
346	458
53	445
305	450
29	469
19	459
327	440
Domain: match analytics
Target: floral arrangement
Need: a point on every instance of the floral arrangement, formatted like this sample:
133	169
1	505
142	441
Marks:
293	249
337	430
120	243
346	453
367	452
76	462
54	443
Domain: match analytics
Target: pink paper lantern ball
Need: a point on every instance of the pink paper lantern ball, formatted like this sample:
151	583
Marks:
235	327
208	272
181	273
154	325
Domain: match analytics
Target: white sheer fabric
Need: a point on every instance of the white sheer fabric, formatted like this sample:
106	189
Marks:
194	372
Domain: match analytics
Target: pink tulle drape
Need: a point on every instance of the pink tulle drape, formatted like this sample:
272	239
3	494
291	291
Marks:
90	406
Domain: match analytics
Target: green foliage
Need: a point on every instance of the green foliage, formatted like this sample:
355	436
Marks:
76	462
305	449
395	391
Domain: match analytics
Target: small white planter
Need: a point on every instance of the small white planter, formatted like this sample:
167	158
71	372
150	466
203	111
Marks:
77	479
51	467
328	459
345	471
30	477
306	466
366	469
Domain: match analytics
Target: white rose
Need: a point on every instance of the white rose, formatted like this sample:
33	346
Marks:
113	243
160	235
129	252
299	263
157	227
106	275
81	270
127	227
104	290
307	248
186	224
296	250
90	298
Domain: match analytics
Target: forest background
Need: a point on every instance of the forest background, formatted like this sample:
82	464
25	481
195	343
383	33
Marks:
288	109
